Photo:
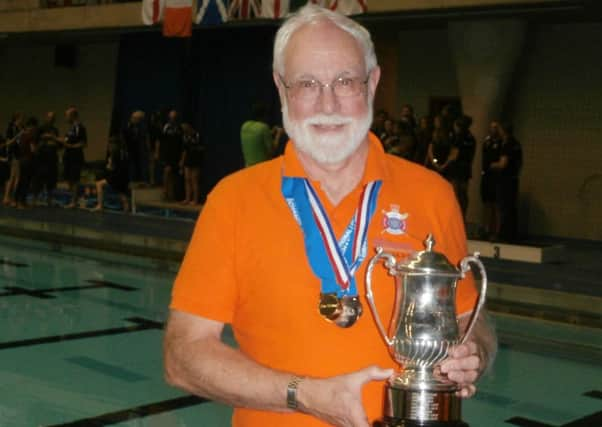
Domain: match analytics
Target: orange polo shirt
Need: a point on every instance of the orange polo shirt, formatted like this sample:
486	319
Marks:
246	265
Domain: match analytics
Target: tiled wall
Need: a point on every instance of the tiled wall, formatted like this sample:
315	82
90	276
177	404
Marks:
557	105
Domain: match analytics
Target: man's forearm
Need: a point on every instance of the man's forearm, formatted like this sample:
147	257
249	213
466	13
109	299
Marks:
212	369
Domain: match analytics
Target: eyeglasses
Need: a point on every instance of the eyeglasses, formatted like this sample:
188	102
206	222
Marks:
309	89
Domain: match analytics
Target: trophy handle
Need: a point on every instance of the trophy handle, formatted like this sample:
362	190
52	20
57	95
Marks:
465	267
390	262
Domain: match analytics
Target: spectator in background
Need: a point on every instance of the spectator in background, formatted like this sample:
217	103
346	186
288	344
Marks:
489	177
449	114
256	137
439	148
460	160
408	120
116	175
378	122
192	159
27	146
4	166
508	166
407	135
280	140
424	136
73	156
135	136
46	159
387	131
391	141
13	133
155	127
169	153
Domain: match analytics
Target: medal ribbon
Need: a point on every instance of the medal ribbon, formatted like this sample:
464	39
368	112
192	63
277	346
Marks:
334	262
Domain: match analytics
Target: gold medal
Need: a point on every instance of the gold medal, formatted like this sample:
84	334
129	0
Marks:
351	311
330	306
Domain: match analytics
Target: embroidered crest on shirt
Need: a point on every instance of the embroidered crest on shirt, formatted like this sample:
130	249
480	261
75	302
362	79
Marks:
395	222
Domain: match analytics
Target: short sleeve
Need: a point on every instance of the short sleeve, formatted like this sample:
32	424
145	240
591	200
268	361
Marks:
206	283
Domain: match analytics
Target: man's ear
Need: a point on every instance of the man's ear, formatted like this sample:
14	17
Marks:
373	81
280	87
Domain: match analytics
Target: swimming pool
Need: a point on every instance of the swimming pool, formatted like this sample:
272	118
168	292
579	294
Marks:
81	345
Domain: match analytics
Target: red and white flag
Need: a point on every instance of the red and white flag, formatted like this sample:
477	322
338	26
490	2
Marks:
152	11
177	18
275	9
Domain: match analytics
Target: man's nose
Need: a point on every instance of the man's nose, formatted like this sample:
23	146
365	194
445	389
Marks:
327	101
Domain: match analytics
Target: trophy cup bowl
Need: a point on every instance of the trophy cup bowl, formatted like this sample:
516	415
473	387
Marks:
423	328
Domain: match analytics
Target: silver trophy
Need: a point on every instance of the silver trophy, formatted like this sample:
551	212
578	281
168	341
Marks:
422	330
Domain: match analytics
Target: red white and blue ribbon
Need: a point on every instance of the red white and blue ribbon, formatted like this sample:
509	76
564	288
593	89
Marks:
334	261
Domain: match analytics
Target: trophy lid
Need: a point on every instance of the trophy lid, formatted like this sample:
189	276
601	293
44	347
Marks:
429	262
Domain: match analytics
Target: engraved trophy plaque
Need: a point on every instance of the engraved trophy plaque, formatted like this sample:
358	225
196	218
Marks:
422	330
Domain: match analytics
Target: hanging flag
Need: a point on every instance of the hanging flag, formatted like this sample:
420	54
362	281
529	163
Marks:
243	9
152	11
346	7
275	9
349	7
211	12
177	18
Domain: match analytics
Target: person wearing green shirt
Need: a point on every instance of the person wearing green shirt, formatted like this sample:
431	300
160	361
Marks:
256	137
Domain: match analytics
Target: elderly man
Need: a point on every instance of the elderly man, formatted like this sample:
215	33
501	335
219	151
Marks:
258	261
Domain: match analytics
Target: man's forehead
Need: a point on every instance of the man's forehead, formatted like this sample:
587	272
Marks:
322	44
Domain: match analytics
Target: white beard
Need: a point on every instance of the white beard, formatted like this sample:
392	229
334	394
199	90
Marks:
332	147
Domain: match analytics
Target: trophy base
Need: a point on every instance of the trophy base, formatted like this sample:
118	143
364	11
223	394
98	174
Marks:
413	423
421	408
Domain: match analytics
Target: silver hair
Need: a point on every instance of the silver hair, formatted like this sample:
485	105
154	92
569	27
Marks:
311	13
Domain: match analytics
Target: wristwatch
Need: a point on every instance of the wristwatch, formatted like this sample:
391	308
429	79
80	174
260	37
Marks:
291	391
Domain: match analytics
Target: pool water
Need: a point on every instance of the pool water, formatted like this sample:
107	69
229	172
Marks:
80	345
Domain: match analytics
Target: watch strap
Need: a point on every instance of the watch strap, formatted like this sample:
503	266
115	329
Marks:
291	392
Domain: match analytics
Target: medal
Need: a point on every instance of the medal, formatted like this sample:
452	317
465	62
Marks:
334	261
352	310
330	306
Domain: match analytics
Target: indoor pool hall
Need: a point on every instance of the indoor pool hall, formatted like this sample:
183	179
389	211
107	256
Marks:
301	213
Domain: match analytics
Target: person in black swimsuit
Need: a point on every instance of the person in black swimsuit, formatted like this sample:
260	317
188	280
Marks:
46	159
192	158
73	156
116	175
508	166
169	152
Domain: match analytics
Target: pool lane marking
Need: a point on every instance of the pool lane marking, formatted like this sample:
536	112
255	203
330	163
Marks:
593	420
525	422
139	324
44	293
596	394
13	263
135	412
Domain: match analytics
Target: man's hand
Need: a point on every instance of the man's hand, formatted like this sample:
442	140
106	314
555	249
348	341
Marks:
338	400
464	367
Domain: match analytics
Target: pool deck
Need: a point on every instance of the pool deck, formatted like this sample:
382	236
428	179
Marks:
570	291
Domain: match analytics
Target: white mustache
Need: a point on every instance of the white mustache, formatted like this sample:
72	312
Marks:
327	120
